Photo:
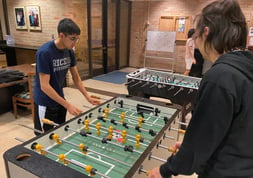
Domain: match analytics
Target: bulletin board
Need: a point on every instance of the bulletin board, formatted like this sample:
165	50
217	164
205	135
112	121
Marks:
178	24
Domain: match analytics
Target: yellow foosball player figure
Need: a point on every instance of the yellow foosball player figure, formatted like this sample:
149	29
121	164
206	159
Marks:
122	117
123	134
140	119
138	139
110	131
106	113
98	127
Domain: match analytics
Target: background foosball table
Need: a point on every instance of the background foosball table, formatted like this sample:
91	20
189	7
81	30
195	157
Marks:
179	89
110	140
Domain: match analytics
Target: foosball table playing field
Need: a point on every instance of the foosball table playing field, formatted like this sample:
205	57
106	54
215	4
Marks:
109	140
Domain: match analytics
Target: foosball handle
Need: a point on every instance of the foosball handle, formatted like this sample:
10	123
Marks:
94	96
182	131
49	122
141	170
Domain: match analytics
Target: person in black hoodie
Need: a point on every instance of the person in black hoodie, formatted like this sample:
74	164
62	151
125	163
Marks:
217	143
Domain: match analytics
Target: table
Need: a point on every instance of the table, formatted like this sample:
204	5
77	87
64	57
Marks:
7	90
180	89
79	144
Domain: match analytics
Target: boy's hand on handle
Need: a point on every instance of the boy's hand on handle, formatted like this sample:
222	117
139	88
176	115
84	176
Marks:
93	100
73	110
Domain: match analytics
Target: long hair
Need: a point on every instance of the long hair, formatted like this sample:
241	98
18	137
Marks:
227	26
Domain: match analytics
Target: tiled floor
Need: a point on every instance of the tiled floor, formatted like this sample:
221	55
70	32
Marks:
10	127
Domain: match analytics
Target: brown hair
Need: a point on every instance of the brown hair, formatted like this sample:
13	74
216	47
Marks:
226	23
190	32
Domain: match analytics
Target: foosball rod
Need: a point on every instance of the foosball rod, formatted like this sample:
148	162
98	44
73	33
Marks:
19	139
137	83
75	145
156	158
89	107
36	130
146	122
46	151
169	148
77	163
128	135
169	137
117	132
98	97
181	123
135	109
130	82
180	89
46	121
97	138
141	170
178	130
150	131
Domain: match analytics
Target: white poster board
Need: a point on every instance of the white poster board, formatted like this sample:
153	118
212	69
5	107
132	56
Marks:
161	41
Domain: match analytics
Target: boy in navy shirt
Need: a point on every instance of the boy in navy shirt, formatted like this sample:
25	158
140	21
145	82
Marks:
53	60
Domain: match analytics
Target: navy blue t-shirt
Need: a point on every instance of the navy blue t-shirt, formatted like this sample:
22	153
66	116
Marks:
55	62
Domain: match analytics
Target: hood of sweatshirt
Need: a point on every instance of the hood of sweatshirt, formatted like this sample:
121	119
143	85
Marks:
241	60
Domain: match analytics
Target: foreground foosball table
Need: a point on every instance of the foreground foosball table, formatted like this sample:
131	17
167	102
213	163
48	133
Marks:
109	140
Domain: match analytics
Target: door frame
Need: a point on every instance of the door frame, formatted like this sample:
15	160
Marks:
105	68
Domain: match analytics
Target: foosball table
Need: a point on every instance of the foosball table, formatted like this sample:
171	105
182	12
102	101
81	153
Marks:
109	140
175	87
179	89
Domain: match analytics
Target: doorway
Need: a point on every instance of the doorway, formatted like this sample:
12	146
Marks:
102	36
107	34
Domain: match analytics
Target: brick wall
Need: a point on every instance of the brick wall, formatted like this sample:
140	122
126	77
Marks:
51	12
143	12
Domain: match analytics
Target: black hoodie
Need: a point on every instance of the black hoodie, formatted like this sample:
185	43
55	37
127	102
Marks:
218	142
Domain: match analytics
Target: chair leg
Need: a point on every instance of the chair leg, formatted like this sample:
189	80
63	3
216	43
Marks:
14	107
32	108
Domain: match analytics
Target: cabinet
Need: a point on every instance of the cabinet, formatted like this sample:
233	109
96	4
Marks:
3	62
